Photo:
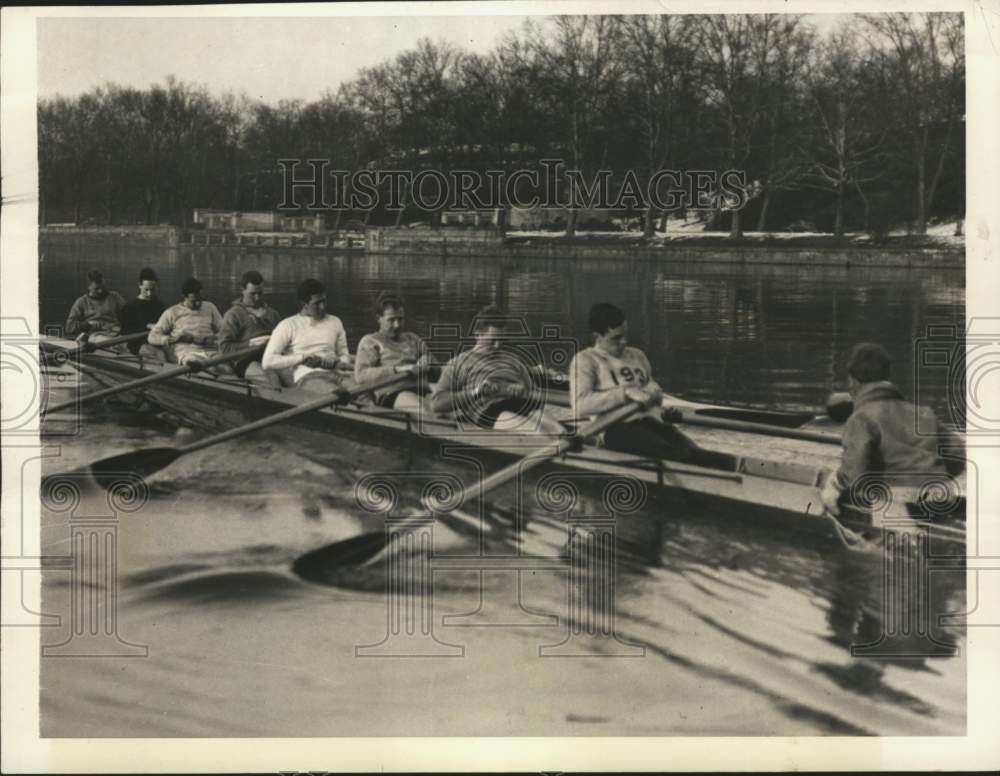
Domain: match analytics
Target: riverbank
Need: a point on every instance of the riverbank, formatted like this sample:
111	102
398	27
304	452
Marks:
901	251
944	251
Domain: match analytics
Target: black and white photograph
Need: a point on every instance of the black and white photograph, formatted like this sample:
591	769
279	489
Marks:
522	376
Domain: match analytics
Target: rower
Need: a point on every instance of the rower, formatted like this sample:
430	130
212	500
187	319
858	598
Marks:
312	343
489	387
390	350
249	317
96	315
189	330
882	437
142	313
611	374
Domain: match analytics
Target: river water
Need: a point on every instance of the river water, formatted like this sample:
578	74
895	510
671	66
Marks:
727	627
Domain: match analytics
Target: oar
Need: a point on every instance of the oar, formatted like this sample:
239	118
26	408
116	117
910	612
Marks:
690	418
89	347
364	548
166	374
61	355
150	460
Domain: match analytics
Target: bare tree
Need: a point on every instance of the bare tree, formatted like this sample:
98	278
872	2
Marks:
578	74
659	60
920	59
846	143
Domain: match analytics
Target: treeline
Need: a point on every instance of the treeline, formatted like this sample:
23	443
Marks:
859	128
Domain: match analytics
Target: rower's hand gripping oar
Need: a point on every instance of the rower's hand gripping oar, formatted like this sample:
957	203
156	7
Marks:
151	460
53	356
365	548
166	374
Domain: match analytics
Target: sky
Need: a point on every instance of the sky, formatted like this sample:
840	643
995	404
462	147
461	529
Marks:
270	58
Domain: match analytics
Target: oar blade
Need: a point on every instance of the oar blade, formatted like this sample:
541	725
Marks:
123	467
339	556
141	463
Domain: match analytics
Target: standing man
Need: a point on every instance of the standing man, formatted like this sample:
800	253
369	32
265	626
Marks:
390	351
142	313
247	318
489	387
96	315
191	327
610	374
312	343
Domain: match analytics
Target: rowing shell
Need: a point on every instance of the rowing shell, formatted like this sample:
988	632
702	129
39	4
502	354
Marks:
777	479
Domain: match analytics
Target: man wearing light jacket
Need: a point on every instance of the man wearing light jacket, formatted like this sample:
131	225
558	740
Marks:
190	328
249	317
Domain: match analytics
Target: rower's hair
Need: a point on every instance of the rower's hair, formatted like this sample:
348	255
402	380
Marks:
190	286
251	276
869	362
604	316
147	273
387	299
95	276
308	288
491	315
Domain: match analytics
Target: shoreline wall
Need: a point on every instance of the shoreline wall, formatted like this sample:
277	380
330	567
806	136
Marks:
491	244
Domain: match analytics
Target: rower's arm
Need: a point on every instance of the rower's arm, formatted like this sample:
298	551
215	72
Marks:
860	440
368	364
231	336
587	398
160	333
77	316
340	346
216	320
275	356
444	399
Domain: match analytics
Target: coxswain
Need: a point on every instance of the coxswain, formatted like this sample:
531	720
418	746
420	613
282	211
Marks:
313	344
189	330
142	313
390	350
491	387
248	319
96	315
887	437
609	375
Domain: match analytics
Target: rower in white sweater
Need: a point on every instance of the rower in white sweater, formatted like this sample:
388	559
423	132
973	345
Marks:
312	343
609	375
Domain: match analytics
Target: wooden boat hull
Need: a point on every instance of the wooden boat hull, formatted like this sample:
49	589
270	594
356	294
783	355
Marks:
402	453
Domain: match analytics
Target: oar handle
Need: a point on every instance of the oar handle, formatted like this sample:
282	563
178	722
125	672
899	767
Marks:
90	346
317	404
543	454
689	417
166	374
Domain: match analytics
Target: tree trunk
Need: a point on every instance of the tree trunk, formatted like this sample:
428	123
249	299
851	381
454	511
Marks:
399	213
735	232
503	218
571	222
960	227
649	227
762	218
921	227
838	220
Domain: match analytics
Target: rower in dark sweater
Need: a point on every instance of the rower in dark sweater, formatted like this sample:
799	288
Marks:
142	313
